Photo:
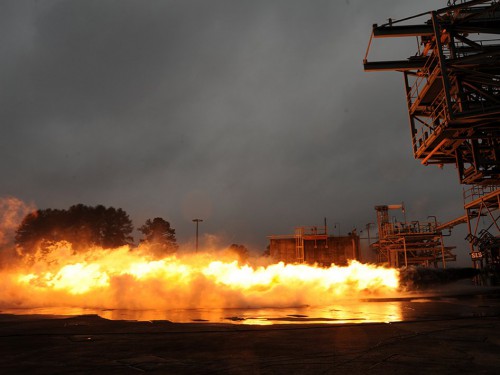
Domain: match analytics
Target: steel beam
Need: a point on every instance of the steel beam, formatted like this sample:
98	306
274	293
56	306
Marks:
402	65
402	31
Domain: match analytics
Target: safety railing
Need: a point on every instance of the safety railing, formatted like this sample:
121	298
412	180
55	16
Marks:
474	192
414	227
425	75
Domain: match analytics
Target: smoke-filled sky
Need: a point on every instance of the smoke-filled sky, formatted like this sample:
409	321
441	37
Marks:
255	116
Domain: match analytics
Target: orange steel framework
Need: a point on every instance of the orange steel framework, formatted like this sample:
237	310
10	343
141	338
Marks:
452	88
481	210
403	243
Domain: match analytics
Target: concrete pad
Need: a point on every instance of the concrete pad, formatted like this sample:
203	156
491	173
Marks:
93	345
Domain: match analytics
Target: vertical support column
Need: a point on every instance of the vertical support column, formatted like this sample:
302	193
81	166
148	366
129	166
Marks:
442	250
404	248
475	155
413	130
442	67
460	164
460	92
471	246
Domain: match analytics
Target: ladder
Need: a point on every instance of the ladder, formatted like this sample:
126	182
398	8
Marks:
299	245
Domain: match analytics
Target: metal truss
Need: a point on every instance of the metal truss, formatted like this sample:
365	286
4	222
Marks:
403	243
452	87
482	207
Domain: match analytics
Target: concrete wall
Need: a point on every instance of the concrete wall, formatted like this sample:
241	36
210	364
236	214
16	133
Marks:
339	250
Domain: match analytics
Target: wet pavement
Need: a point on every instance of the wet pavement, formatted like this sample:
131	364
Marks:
451	301
439	335
92	345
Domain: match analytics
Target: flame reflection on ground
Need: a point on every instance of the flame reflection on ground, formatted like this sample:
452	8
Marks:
437	304
354	312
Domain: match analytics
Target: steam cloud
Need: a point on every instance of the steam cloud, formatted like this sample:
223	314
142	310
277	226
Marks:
124	279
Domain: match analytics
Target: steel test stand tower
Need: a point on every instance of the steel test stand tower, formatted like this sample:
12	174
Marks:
452	86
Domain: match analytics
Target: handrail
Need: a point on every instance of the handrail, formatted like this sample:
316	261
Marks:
477	191
413	228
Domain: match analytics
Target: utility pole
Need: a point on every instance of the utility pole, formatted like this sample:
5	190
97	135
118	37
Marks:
197	221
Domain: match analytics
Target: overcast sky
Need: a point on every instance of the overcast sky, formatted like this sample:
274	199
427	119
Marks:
255	116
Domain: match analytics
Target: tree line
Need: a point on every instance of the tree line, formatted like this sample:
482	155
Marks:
86	226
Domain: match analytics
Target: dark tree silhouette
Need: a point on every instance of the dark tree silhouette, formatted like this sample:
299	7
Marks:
115	228
159	235
81	225
241	251
39	227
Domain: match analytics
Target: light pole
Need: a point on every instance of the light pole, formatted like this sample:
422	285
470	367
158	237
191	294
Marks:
197	221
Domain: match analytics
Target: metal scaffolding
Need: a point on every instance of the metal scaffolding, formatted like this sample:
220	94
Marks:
452	86
483	219
403	243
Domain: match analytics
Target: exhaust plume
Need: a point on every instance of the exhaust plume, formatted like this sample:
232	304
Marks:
132	279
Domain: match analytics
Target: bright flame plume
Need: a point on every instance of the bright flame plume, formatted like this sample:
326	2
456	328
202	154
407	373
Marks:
132	279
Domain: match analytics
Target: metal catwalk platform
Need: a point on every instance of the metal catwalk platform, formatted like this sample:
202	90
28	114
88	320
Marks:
402	243
452	86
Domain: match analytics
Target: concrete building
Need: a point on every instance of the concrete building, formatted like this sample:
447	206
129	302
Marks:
313	245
